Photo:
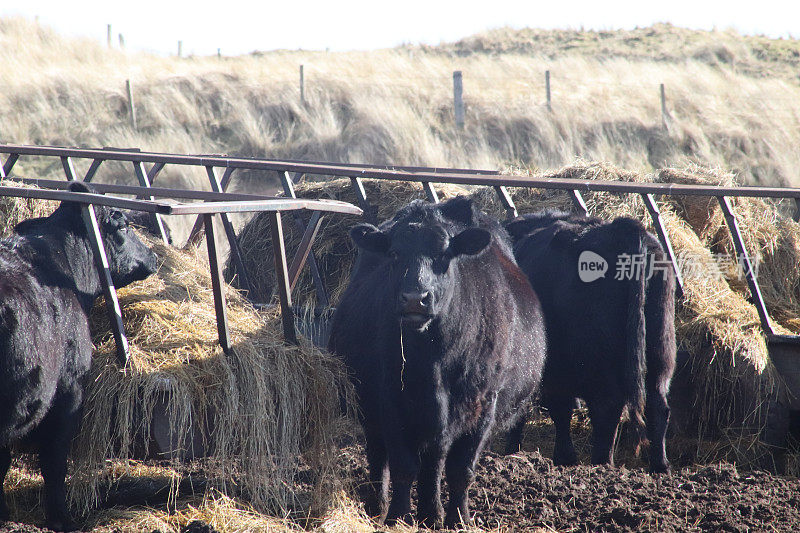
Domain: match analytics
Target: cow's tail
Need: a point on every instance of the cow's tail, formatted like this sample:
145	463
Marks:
635	357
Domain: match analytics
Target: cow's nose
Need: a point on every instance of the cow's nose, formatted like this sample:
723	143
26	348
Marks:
416	302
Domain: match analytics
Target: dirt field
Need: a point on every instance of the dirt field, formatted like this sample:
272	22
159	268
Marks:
525	492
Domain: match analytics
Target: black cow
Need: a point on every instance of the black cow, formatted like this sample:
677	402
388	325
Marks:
611	333
48	284
445	339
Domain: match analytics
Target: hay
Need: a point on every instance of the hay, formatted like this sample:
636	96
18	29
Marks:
334	251
256	411
14	210
733	377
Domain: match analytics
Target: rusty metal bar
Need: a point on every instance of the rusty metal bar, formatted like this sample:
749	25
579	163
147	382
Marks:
233	243
92	170
281	277
363	203
69	168
305	247
217	286
429	192
109	291
226	178
154	171
750	276
578	202
144	181
319	284
156	192
506	201
436	176
288	185
194	233
5	170
663	236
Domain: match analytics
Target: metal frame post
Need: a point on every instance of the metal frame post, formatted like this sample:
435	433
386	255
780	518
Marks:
144	181
663	236
506	201
430	193
109	291
217	286
578	202
750	276
282	277
233	243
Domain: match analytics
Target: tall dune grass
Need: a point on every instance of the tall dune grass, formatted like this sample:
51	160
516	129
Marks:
395	106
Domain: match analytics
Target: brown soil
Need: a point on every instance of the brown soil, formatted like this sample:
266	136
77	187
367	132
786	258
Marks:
524	491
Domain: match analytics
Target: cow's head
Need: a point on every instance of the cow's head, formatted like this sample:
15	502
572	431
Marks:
421	252
129	258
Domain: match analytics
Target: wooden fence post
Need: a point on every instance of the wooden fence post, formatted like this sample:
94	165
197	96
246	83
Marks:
121	41
108	36
663	108
302	87
180	48
131	106
547	89
219	53
458	101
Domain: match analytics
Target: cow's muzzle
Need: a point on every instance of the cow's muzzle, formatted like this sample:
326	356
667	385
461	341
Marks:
416	308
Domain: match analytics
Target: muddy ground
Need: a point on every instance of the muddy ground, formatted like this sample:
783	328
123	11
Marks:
525	491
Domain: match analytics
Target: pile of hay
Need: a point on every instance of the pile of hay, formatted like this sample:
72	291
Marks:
257	411
14	210
733	378
333	248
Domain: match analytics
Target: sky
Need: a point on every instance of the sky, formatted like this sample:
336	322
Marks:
242	26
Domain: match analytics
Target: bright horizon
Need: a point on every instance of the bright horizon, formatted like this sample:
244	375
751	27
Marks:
239	27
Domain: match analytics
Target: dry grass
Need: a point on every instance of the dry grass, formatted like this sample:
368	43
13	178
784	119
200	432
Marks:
395	106
14	210
256	410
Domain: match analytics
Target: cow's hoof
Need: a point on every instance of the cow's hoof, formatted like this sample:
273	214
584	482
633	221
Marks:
431	521
457	523
660	469
64	524
565	461
405	518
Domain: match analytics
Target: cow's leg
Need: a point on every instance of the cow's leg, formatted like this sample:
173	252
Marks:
604	414
514	437
657	416
378	499
430	511
5	464
54	437
460	469
403	468
560	410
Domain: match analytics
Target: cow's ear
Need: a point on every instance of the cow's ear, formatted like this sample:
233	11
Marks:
518	228
458	209
79	186
471	241
370	238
